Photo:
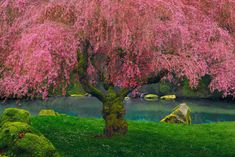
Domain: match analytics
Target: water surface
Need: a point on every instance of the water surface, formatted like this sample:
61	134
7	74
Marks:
203	111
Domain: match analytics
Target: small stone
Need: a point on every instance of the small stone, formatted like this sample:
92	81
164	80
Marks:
151	97
127	98
168	97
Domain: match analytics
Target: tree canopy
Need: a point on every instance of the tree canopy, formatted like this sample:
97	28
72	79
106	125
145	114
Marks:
122	43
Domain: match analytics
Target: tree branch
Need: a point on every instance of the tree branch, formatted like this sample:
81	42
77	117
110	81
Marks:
82	58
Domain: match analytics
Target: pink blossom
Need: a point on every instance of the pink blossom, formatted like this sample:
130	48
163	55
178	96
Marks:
131	40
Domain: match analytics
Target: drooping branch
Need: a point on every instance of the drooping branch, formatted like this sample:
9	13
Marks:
82	58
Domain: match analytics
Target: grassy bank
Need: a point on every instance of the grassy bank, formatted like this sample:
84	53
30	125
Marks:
75	137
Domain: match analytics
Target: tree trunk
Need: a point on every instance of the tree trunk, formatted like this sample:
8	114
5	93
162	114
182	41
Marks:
113	106
113	114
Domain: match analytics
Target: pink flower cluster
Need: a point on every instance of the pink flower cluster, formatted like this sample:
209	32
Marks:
131	40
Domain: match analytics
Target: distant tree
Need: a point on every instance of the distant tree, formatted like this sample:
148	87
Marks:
115	45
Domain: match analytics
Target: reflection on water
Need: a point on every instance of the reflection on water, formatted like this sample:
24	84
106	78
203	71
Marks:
203	111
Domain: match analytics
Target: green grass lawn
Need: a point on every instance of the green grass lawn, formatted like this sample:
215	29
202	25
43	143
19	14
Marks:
75	137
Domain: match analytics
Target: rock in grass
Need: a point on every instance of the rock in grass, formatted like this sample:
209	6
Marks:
21	140
15	115
181	114
151	97
168	97
49	113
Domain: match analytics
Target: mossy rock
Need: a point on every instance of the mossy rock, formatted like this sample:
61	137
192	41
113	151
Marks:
180	114
21	140
168	97
49	112
151	97
35	146
15	115
80	95
11	131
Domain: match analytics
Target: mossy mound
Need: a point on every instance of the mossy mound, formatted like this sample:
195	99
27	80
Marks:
11	131
21	140
35	146
48	112
151	97
15	115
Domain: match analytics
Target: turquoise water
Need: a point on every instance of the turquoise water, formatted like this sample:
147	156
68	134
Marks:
203	111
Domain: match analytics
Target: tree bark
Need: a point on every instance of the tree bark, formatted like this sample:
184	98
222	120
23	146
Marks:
114	114
113	105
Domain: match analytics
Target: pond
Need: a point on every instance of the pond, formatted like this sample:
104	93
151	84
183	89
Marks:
203	111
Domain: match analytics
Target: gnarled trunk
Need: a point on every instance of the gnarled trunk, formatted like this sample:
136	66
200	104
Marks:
113	114
111	97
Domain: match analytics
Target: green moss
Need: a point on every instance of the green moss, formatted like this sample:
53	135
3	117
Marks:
49	112
21	140
15	115
79	95
35	146
168	97
113	113
151	97
10	132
